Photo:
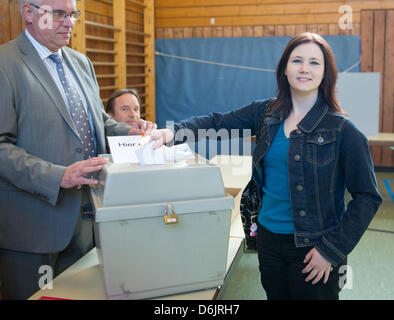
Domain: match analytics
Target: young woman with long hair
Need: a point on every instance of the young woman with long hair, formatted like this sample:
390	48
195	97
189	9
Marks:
307	153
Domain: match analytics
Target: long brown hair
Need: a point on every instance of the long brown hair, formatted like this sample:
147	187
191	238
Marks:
283	102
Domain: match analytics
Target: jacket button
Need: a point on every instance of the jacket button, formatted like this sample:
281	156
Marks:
297	157
79	150
299	187
306	240
298	131
302	213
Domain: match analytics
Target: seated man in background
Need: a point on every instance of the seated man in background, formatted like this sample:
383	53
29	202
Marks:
124	106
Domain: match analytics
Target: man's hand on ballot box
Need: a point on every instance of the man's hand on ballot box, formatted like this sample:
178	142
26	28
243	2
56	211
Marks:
161	137
75	174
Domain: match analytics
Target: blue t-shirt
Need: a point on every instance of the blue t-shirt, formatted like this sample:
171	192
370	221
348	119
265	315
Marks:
275	212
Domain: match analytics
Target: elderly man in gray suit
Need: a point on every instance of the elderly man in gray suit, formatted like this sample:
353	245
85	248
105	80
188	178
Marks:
52	126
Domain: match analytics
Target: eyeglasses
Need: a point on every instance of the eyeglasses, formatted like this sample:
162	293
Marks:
61	15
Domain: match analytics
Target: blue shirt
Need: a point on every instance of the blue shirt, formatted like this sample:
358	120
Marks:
275	212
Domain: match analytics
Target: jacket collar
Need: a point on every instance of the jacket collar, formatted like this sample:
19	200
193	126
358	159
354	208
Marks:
311	119
314	116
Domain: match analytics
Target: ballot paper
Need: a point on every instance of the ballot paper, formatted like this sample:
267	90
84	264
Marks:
123	148
148	156
138	149
178	152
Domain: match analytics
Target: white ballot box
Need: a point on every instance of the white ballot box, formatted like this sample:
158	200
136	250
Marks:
161	229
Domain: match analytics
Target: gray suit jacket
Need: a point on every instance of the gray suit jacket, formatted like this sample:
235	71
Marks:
38	140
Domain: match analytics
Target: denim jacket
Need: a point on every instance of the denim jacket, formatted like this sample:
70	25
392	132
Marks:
327	154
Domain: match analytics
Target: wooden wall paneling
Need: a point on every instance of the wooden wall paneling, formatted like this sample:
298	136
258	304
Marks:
99	7
136	51
199	13
312	28
100	42
269	30
208	3
118	65
178	33
237	31
279	30
102	56
11	22
253	31
366	63
290	30
322	29
207	32
78	41
253	20
136	65
267	9
318	16
119	21
188	32
16	20
137	5
248	31
227	31
356	29
367	40
135	17
260	18
149	41
377	56
4	21
377	61
388	86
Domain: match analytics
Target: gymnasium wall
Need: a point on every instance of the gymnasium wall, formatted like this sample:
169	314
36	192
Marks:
372	20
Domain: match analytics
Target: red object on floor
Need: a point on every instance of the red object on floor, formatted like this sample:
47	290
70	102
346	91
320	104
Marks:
51	298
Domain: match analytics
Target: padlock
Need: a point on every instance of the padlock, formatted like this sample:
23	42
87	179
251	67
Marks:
170	216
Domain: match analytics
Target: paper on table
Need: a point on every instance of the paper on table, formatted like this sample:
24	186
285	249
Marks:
123	148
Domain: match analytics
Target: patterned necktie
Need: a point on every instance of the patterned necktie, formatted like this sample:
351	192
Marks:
77	109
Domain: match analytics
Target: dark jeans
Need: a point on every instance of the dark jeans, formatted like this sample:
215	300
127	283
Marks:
281	263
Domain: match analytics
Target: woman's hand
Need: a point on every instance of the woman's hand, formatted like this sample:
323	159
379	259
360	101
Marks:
142	127
318	267
161	137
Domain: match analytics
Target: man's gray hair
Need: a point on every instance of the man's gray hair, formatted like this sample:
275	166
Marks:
21	2
36	2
